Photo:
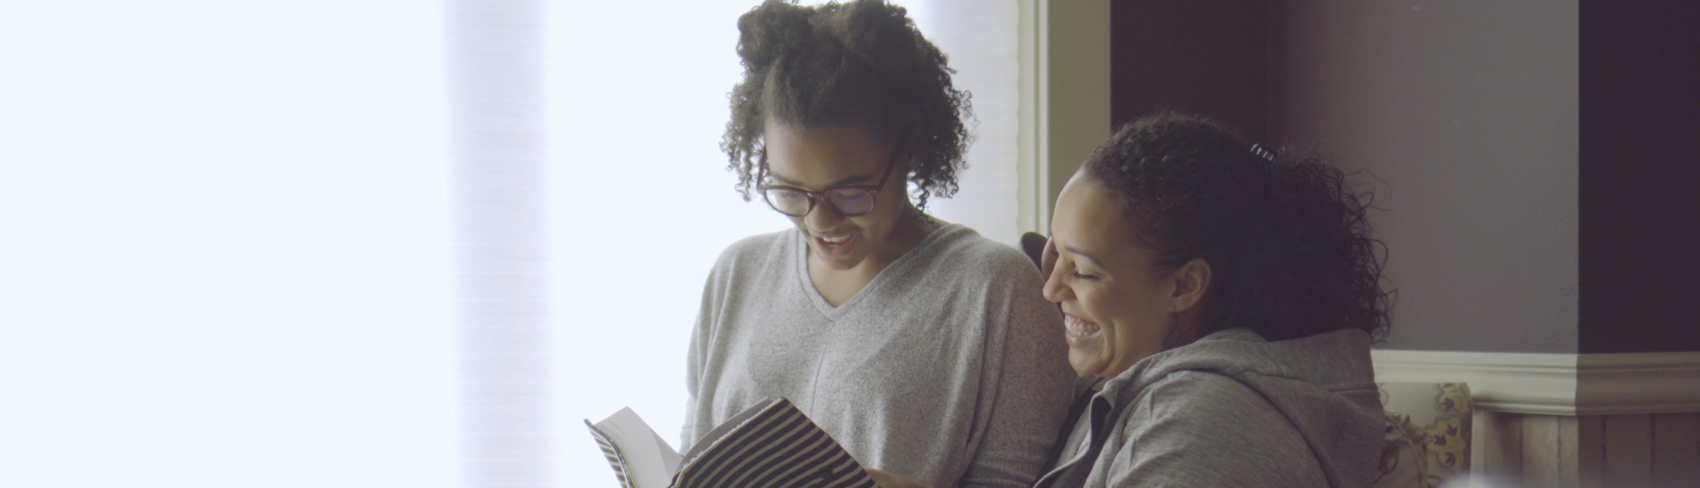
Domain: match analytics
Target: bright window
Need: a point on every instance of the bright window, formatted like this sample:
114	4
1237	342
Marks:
223	245
379	243
639	97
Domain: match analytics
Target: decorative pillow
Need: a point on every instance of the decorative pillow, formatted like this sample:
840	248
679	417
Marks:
1404	462
1428	433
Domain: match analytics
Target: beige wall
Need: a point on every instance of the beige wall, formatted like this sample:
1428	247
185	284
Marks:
1463	118
1074	90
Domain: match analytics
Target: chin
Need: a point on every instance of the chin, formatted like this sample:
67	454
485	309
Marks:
844	263
1085	366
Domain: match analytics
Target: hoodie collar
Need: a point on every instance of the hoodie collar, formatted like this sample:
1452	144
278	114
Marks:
1235	351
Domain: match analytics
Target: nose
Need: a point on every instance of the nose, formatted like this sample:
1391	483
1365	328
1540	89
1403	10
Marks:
1055	290
822	216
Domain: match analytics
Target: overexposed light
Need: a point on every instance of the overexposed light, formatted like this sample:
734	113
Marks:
223	245
644	203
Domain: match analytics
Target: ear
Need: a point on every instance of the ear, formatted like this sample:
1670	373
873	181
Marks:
1192	281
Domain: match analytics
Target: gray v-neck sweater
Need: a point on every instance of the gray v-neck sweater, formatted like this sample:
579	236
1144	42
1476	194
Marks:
949	368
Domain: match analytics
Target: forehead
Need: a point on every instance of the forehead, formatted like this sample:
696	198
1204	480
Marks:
823	156
1088	217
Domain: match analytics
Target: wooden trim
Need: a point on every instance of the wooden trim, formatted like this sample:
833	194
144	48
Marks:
1638	383
1629	456
1542	450
1676	449
1031	213
1527	383
1556	384
1073	106
1497	446
1590	441
1569	470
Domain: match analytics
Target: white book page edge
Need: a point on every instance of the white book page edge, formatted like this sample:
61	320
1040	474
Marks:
650	461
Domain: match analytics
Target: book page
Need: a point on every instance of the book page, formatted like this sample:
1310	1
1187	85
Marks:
650	461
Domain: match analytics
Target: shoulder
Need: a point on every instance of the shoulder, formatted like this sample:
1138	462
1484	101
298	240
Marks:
1202	397
1181	422
747	260
756	249
965	251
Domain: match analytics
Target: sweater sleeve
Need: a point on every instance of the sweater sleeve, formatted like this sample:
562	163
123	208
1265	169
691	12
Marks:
1027	385
693	374
1196	428
697	423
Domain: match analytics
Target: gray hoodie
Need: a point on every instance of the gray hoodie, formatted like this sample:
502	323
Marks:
1233	410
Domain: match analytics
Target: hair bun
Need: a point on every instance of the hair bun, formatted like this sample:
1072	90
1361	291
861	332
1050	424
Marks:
768	30
874	30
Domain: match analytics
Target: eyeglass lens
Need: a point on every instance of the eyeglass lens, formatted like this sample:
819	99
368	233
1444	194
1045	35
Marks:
849	203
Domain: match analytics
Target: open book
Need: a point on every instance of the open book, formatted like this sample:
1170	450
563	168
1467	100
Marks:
769	444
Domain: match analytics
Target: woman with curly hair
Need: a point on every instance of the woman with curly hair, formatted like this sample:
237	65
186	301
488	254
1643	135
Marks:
1225	300
919	345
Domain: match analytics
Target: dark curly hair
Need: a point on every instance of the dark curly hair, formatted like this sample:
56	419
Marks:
1286	238
859	63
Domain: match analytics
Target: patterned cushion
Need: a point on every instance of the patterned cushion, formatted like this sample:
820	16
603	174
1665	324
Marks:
1428	433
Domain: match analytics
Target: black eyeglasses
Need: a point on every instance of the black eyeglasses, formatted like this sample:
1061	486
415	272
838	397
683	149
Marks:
849	201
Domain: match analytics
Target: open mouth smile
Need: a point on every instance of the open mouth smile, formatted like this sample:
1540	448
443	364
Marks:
1080	332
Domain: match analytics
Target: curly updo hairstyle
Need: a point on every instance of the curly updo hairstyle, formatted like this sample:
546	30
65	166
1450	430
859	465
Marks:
1288	245
858	63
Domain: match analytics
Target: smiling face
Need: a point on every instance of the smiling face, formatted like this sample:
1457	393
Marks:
1119	306
822	158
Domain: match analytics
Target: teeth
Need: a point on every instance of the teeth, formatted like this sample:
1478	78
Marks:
834	240
1079	327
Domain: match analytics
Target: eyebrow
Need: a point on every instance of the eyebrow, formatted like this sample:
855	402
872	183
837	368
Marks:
835	184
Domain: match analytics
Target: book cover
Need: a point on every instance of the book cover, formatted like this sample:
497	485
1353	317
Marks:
770	444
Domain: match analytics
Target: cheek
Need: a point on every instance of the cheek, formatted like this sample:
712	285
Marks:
1098	304
1120	312
877	222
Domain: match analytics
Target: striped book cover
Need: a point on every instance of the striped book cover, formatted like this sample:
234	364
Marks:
777	446
771	444
612	452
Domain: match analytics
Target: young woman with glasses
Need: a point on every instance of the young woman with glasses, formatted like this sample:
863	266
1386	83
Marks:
921	346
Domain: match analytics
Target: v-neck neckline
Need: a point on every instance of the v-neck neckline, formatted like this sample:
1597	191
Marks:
801	257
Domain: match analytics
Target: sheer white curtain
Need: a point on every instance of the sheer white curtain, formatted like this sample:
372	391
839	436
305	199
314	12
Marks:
643	203
223	245
377	243
980	37
499	174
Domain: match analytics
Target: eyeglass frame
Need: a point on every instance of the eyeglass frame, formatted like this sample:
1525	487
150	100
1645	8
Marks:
873	191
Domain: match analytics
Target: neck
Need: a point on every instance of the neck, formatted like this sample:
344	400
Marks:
911	228
1187	330
836	287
